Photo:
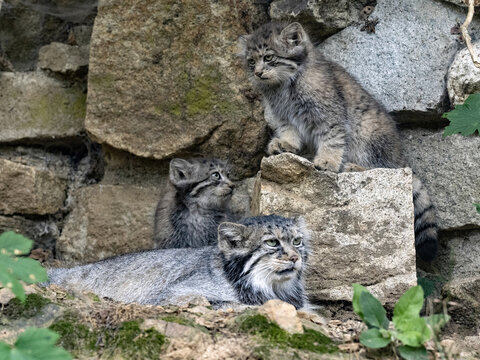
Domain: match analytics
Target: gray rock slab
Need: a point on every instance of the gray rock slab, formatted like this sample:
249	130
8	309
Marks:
448	166
34	106
108	220
164	80
63	58
322	18
362	224
28	190
462	255
463	76
404	63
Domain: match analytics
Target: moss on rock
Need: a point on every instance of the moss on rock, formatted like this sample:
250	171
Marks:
32	305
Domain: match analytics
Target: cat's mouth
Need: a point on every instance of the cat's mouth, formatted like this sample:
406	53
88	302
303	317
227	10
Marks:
287	271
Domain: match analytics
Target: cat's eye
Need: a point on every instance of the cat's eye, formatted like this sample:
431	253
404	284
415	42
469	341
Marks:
272	242
268	57
215	176
251	62
297	242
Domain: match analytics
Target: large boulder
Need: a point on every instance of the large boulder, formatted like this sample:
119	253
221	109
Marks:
362	224
164	80
108	220
404	62
463	76
322	18
447	166
36	107
29	190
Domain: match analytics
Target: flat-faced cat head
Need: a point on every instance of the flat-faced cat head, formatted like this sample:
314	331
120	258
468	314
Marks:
267	251
202	181
275	52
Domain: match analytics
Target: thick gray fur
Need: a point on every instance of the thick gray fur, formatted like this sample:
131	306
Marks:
314	106
257	259
196	201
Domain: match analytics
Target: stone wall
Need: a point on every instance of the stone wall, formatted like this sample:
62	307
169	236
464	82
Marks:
91	116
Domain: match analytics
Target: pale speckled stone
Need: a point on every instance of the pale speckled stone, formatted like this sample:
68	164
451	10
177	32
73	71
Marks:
362	224
63	58
29	190
108	220
463	76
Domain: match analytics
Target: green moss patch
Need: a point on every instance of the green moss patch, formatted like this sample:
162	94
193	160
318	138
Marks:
31	307
275	336
75	336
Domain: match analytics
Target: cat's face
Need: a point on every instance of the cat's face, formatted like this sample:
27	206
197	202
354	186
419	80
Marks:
273	249
274	53
202	181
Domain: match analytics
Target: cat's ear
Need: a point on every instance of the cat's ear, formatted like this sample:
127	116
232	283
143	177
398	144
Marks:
293	34
231	237
180	171
242	45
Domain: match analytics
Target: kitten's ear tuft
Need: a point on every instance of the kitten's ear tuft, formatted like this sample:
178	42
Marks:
293	34
231	236
180	171
242	45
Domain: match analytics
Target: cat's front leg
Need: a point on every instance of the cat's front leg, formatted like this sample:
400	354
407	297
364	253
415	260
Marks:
285	140
330	151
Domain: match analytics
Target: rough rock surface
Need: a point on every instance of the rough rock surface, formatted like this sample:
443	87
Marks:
463	76
282	313
34	106
63	58
43	232
182	97
396	63
447	166
362	224
28	190
108	220
465	292
463	2
322	18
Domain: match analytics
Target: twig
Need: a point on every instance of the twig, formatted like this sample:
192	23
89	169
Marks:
466	36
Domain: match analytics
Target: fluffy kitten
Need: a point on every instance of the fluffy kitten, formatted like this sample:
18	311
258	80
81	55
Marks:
314	105
257	259
195	203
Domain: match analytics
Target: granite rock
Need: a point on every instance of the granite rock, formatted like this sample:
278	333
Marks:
63	58
362	224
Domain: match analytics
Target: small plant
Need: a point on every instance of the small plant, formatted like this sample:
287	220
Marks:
478	207
14	268
465	118
409	331
33	343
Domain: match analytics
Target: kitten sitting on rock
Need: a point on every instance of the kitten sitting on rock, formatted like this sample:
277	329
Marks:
315	106
257	259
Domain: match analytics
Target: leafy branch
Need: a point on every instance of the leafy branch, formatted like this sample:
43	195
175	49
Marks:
465	118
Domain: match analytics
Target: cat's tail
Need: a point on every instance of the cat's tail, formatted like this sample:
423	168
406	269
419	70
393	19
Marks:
426	237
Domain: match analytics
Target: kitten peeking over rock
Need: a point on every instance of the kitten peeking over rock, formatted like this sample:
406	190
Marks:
257	259
195	203
315	106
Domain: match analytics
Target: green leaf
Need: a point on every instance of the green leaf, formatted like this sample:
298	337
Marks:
374	339
437	321
14	244
373	311
413	331
409	305
477	206
465	118
413	353
34	344
357	291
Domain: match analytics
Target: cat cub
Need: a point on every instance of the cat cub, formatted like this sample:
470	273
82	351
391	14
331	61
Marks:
313	105
257	259
196	201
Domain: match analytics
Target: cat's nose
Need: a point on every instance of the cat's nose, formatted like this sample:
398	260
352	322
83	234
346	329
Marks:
259	73
294	258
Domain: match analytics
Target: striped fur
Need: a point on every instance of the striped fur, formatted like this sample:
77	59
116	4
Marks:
195	202
317	109
243	268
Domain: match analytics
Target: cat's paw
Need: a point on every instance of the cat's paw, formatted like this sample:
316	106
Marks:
277	146
351	167
328	162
